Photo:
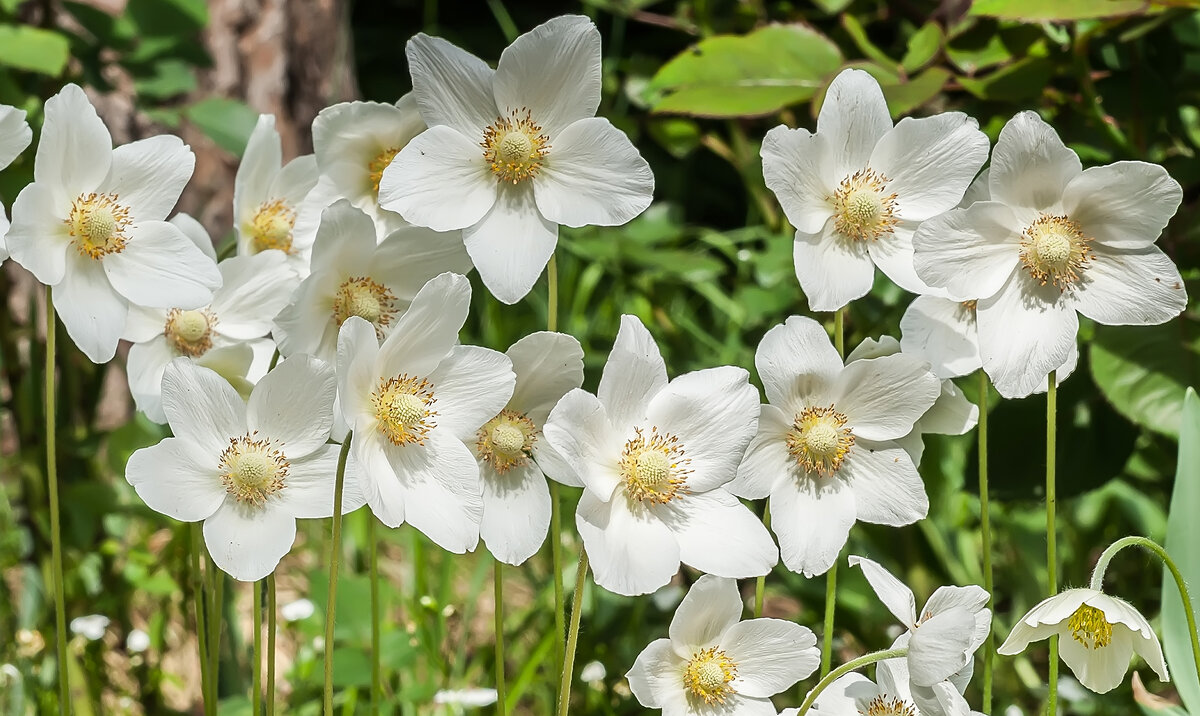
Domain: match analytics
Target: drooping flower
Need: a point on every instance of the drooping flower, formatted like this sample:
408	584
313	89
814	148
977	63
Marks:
1053	240
512	153
413	402
654	457
512	452
354	276
827	450
91	225
857	188
714	663
248	470
1098	634
15	136
891	694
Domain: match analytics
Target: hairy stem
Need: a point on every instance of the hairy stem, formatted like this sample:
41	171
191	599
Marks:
335	555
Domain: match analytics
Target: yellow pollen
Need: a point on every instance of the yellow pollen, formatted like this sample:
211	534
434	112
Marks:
654	469
506	441
253	470
1089	627
514	146
377	166
820	440
707	675
190	332
404	409
1054	250
97	224
889	706
863	208
362	297
271	227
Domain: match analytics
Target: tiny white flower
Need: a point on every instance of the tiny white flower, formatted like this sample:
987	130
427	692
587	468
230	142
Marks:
137	641
512	452
714	663
248	470
470	698
592	672
511	153
827	450
15	136
297	610
352	275
857	188
91	627
1097	634
654	457
92	225
1053	241
892	694
412	402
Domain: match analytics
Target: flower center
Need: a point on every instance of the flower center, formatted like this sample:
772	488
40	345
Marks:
362	297
1055	250
271	227
707	675
654	469
190	332
506	441
253	470
404	409
97	223
862	206
514	146
1089	627
820	440
888	706
377	165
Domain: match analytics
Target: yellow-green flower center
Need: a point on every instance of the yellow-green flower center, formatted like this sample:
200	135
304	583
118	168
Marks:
707	675
654	468
863	208
1089	627
514	146
97	223
253	470
889	706
360	296
404	409
819	440
271	227
1054	250
377	166
190	332
506	441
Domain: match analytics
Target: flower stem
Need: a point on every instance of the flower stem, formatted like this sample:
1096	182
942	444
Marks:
839	341
1189	611
564	688
56	560
335	549
376	663
271	644
198	596
499	582
985	529
214	631
560	606
1051	533
256	695
760	585
846	668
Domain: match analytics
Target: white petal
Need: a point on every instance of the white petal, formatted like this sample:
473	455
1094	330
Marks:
941	646
553	71
511	244
771	655
195	231
1025	331
161	268
368	467
409	256
90	309
356	354
15	134
248	542
708	610
148	175
897	597
470	386
930	162
832	271
633	374
1123	287
972	598
579	431
952	414
75	149
837	699
883	397
893	254
632	551
1099	670
853	118
942	332
656	676
719	535
553	465
201	406
799	169
426	332
593	175
348	136
173	479
797	363
441	481
306	324
547	365
309	485
439	180
968	252
767	458
294	404
451	86
144	368
39	238
260	163
1124	205
253	291
1030	164
887	488
812	518
516	512
1044	619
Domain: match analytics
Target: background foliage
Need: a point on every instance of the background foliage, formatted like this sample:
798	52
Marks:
695	83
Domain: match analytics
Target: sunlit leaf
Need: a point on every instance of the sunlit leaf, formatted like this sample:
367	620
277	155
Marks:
1183	544
1037	10
33	49
1143	371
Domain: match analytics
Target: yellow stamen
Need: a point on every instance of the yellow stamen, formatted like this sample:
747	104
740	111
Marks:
1054	250
863	208
1089	627
404	409
271	227
888	706
506	441
253	470
820	440
707	675
380	163
514	146
190	332
360	296
654	469
97	224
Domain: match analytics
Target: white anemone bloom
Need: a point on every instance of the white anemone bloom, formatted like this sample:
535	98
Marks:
1097	634
512	153
654	457
248	470
354	276
412	402
92	225
891	694
714	663
857	188
512	452
827	450
15	136
268	194
1052	241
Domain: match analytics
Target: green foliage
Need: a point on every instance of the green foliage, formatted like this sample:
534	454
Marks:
33	49
1183	544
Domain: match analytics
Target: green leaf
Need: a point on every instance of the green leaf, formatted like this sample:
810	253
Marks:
33	49
923	46
1022	80
170	78
751	75
1143	370
1038	10
227	122
858	34
1183	544
904	97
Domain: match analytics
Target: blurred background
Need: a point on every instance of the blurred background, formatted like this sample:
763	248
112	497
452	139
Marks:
696	84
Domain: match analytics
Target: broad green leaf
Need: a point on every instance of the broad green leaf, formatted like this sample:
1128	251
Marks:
170	78
1020	81
33	49
903	97
858	34
1183	544
227	122
1038	10
750	75
923	46
1143	370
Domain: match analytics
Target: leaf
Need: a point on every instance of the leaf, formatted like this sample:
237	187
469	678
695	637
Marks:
33	49
904	97
1143	370
751	75
923	46
1038	10
858	34
1183	544
227	122
170	78
1022	80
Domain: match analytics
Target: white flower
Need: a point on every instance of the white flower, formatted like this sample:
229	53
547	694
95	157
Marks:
248	470
513	453
469	698
91	627
297	610
545	159
857	188
893	695
826	452
1052	241
15	136
412	402
654	457
137	641
354	276
943	638
267	196
91	225
592	672
713	663
1097	634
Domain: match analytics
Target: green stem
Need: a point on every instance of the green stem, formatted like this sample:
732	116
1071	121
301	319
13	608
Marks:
1189	612
760	585
844	669
214	631
198	596
499	582
985	528
335	550
256	695
271	644
564	688
274	360
552	294
839	341
376	663
56	559
1051	532
560	601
